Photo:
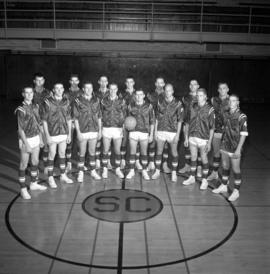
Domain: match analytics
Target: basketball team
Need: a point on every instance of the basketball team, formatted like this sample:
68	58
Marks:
143	129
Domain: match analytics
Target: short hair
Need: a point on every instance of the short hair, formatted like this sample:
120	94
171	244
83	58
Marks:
160	77
24	88
169	85
223	83
38	74
235	95
58	83
202	90
194	80
87	83
113	84
129	77
74	75
102	77
140	89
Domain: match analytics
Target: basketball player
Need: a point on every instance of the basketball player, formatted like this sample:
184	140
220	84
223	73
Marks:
87	116
235	133
169	118
56	116
200	125
221	105
113	115
143	132
30	141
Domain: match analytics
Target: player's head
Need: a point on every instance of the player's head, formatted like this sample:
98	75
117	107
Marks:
103	81
193	85
201	95
113	88
28	93
160	83
58	89
130	82
234	101
74	80
223	89
139	95
88	88
169	90
38	79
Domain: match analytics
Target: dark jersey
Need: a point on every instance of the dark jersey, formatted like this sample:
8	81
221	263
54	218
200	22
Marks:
113	111
188	100
100	94
39	97
234	125
72	95
56	113
87	112
28	119
201	120
144	115
129	97
169	114
154	97
220	106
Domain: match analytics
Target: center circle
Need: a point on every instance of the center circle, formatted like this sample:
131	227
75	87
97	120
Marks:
122	205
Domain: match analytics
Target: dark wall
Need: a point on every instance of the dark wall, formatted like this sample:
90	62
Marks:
248	78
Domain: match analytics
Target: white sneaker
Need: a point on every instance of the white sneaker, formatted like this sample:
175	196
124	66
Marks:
234	196
185	169
156	174
199	172
213	176
85	168
174	176
221	189
95	175
64	178
69	167
189	181
204	184
131	174
105	173
25	194
138	165
97	164
80	176
119	173
165	167
51	182
151	166
123	164
109	164
145	175
36	186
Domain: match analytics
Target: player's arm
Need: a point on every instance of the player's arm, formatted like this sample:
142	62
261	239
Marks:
46	131
243	135
179	122
24	139
212	128
152	124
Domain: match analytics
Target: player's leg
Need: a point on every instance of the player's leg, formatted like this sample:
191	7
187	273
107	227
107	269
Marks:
62	162
132	156
193	164
144	158
106	142
205	167
165	165
186	167
237	178
51	156
69	149
158	159
92	143
174	153
124	149
117	151
98	153
24	159
152	150
216	157
82	152
138	158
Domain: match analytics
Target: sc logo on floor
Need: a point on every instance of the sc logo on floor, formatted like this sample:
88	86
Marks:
122	205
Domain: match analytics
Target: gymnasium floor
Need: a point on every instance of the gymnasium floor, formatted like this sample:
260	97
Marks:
173	229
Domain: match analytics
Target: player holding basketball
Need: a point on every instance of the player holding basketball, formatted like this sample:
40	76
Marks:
113	115
221	105
56	116
234	135
30	141
87	116
169	118
200	125
143	112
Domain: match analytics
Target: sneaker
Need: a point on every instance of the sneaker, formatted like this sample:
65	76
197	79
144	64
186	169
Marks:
36	186
185	169
221	189
80	176
25	194
64	178
105	173
234	196
174	177
189	181
85	168
97	164
119	173
123	164
156	174
138	165
51	182
69	167
95	175
151	166
165	167
145	175
131	174
213	176
109	164
199	172
204	184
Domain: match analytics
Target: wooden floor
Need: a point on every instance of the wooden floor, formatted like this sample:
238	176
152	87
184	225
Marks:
195	231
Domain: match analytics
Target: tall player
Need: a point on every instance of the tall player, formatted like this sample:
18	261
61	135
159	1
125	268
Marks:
113	115
169	118
221	105
56	116
235	133
199	134
30	141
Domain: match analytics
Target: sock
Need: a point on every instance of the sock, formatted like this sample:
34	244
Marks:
62	165
193	168
22	178
158	161
34	173
174	162
144	161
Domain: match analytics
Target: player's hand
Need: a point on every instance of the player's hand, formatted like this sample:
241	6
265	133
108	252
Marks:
49	140
28	148
207	147
186	143
68	138
80	137
176	139
236	155
99	135
41	143
150	138
155	137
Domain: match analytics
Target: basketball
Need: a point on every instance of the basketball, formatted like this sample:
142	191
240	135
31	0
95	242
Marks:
130	123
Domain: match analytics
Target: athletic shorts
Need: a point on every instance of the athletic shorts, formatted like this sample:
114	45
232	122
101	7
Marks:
90	135
112	132
138	136
33	142
166	136
198	142
230	154
59	138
